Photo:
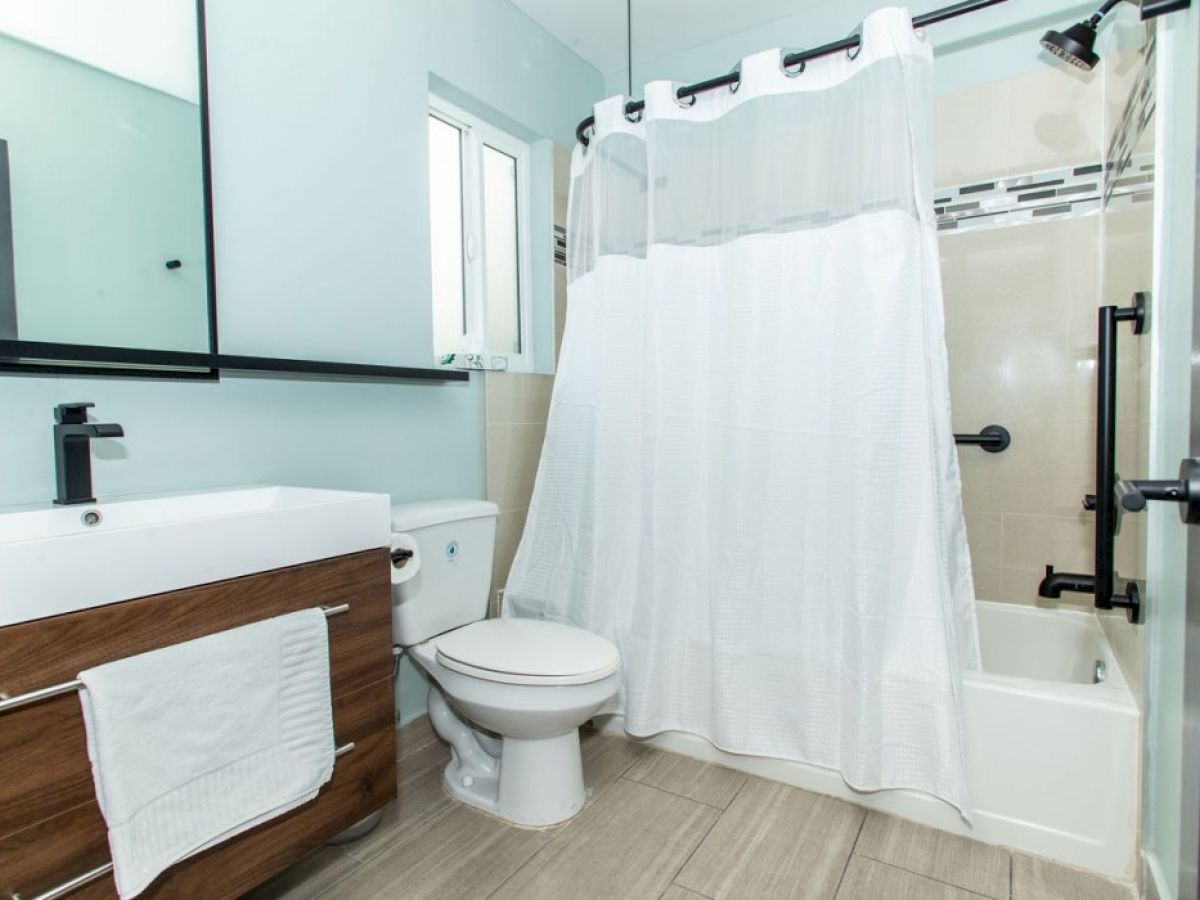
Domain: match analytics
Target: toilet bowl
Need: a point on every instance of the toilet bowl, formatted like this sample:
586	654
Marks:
508	695
534	775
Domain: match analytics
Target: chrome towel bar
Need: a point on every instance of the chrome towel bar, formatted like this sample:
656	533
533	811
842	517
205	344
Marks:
100	871
7	703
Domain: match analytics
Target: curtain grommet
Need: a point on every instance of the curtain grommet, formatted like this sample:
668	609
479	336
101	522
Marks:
853	52
793	71
634	116
685	102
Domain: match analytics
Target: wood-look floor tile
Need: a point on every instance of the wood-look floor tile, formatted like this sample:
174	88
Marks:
419	800
675	892
1040	879
951	858
606	757
868	879
462	854
691	778
415	735
311	877
629	844
775	841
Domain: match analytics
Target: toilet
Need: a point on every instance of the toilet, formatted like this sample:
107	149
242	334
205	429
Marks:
507	695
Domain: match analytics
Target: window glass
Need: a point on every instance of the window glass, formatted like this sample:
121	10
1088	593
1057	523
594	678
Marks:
501	246
446	236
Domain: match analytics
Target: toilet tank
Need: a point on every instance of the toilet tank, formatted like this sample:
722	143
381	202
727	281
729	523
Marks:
455	539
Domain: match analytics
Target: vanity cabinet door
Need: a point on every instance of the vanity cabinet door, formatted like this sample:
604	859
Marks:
50	827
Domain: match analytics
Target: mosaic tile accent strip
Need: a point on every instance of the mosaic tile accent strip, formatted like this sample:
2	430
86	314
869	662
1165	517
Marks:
1138	112
1058	193
560	245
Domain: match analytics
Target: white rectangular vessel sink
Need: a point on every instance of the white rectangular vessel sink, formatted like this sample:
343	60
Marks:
59	559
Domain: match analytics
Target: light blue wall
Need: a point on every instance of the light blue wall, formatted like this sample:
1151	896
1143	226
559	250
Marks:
318	113
984	46
326	111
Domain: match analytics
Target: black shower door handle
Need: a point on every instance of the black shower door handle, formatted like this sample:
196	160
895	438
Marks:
1134	495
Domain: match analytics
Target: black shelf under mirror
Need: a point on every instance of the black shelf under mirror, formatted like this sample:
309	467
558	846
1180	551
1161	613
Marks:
41	357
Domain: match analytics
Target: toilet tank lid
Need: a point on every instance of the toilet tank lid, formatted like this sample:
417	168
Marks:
408	516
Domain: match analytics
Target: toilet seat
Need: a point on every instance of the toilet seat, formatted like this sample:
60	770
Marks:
527	651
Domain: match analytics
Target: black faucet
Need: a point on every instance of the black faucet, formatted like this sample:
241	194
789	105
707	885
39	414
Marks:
73	451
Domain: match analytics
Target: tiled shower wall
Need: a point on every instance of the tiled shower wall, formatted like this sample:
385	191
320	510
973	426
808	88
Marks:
1021	314
517	408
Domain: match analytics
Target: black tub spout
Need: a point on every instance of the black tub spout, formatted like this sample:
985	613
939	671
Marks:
1055	583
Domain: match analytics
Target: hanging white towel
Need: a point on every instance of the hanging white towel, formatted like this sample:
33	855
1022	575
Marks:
197	742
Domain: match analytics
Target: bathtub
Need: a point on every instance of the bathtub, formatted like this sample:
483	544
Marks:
1053	755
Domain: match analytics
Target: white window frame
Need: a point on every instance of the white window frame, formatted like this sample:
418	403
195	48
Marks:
477	133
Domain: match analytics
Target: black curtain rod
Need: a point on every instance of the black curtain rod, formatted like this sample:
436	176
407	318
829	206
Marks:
796	59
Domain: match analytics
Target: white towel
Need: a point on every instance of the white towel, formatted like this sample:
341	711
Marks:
200	741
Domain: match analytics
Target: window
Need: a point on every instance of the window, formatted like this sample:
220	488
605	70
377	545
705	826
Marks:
479	242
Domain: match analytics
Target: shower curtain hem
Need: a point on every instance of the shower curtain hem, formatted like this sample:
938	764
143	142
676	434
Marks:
962	809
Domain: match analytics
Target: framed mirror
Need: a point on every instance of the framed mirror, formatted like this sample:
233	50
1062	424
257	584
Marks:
105	224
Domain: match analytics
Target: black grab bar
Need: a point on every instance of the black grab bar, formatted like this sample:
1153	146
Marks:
993	439
1102	584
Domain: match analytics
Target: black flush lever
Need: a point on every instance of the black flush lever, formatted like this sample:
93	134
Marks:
1133	495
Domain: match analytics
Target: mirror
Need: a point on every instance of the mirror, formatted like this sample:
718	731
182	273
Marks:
103	198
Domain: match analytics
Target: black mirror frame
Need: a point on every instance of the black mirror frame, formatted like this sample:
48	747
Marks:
19	357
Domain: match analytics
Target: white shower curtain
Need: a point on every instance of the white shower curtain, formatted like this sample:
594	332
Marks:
749	481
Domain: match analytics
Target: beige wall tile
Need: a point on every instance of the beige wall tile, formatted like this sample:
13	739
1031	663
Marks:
1129	645
970	134
1046	471
1030	542
536	406
562	183
508	537
513	453
1055	119
498	441
985	538
560	308
503	397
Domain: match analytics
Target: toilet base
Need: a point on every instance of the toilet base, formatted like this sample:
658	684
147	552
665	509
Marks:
535	782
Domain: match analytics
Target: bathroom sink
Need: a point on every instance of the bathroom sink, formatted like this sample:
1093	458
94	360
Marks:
59	559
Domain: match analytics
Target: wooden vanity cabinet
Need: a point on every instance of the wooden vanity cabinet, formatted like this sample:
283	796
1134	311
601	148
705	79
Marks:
50	826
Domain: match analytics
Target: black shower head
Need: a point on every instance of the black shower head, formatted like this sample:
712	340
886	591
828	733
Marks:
1076	45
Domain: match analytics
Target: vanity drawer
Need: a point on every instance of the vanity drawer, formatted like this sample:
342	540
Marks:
49	651
50	827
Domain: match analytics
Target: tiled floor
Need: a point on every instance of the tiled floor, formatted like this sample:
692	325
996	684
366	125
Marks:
658	825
